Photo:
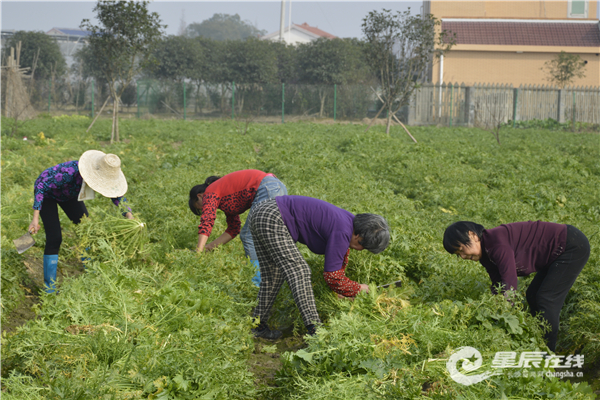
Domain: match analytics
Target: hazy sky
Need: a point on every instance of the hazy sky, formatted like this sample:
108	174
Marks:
340	18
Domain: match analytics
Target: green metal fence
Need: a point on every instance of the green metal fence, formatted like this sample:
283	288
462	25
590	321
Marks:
188	100
235	100
447	104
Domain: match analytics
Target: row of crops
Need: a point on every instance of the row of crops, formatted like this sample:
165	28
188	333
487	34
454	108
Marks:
166	323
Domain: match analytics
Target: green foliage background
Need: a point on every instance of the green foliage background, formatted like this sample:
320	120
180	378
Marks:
170	324
224	27
37	45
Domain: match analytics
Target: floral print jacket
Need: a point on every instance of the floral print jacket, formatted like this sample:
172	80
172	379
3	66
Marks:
61	183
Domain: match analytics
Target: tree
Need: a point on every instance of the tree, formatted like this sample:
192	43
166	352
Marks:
177	58
86	66
122	45
331	61
214	71
250	63
287	65
39	49
492	109
224	27
129	95
399	49
213	59
564	69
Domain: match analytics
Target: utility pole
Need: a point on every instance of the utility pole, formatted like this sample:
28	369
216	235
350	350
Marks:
290	23
282	20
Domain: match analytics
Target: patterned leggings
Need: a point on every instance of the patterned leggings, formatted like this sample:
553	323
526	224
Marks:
280	260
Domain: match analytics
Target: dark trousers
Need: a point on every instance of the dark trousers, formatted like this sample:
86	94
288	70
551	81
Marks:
547	292
73	208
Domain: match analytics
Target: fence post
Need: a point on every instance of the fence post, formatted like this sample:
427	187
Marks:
233	100
573	111
412	110
334	100
93	99
184	102
451	101
282	102
516	114
560	117
469	106
439	103
137	98
49	93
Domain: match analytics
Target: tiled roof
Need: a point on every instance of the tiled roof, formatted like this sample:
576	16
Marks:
525	33
315	30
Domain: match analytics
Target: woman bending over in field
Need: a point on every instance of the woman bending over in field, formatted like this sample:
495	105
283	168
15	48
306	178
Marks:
325	229
556	252
68	185
233	194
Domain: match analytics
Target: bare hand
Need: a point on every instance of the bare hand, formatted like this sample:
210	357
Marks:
129	215
363	288
342	297
211	246
34	227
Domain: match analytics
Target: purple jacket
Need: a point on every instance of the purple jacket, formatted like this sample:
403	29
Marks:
323	227
520	249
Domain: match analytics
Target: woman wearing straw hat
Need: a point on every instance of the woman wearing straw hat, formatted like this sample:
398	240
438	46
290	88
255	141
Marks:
233	194
68	185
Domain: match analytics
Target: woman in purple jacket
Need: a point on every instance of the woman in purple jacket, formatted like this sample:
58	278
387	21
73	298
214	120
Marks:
556	252
278	224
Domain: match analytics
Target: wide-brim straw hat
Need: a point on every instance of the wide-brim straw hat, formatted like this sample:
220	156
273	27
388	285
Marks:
102	172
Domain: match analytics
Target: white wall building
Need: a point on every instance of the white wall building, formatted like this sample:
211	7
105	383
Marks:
297	34
69	41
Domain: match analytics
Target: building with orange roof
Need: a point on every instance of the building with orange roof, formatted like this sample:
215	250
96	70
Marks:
508	42
297	34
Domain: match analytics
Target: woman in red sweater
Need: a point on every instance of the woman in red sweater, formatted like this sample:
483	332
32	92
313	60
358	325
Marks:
233	194
556	253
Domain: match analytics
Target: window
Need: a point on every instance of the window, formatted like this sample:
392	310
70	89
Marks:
578	8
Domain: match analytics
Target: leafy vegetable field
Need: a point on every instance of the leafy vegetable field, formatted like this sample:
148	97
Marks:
148	319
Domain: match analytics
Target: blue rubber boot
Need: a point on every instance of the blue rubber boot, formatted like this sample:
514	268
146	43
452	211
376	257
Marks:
256	279
85	259
50	264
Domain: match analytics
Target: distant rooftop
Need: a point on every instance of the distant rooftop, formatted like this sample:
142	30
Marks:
305	30
67	32
525	33
315	30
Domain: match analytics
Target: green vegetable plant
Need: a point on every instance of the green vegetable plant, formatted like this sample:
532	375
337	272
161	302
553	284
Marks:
149	319
127	236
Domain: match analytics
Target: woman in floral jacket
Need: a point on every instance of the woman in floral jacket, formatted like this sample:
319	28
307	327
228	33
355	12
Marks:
67	185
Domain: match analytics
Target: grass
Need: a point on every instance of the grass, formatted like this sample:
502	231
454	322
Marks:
166	323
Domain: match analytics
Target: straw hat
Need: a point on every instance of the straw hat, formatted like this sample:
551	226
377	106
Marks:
102	172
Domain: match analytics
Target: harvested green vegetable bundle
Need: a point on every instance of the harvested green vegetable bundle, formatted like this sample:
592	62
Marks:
126	236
